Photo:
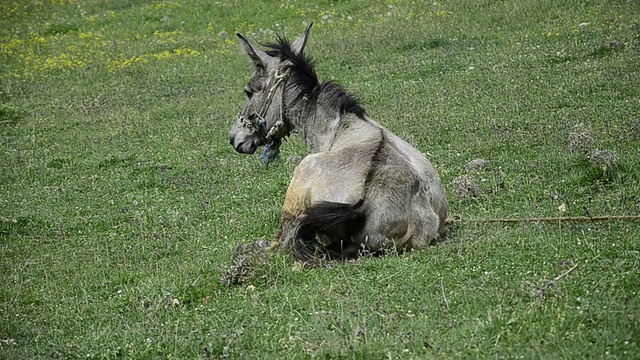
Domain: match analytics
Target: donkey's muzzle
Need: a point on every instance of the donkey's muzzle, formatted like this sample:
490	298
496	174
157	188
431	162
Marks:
243	147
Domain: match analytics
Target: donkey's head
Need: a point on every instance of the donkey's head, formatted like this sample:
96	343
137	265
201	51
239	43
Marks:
262	121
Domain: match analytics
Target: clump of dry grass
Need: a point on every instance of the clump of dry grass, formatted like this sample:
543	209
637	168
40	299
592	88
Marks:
465	186
580	139
604	159
246	261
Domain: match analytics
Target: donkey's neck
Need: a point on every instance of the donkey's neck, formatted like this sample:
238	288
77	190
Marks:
319	129
317	125
318	120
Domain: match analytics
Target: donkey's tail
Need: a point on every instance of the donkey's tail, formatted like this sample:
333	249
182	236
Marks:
323	219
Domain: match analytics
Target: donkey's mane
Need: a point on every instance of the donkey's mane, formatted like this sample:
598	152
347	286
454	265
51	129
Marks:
303	75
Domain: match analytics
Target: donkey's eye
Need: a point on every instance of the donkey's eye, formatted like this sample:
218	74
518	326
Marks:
248	93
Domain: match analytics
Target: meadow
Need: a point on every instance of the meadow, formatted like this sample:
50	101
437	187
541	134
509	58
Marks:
121	200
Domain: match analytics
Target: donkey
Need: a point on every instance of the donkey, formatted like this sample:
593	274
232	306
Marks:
362	189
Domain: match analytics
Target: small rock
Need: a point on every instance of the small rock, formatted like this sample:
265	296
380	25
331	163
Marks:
476	164
223	33
614	44
298	266
171	302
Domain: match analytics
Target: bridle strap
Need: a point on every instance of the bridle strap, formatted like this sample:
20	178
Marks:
281	128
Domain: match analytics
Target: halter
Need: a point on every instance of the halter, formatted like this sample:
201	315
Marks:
281	128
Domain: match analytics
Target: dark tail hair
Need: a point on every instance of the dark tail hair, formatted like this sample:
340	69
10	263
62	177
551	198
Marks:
320	217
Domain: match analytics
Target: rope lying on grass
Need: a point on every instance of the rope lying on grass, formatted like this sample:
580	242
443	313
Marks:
457	219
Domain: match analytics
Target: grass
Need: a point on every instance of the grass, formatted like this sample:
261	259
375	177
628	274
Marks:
122	201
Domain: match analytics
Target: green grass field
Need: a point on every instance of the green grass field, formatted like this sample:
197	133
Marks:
121	200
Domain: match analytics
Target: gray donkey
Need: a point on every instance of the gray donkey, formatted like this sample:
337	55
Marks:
363	189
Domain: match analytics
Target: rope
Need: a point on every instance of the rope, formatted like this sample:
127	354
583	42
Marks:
280	129
278	79
457	219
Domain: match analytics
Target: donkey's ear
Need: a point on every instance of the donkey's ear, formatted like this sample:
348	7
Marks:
258	56
299	44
